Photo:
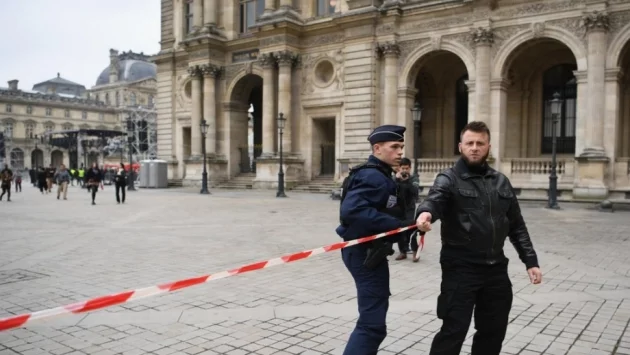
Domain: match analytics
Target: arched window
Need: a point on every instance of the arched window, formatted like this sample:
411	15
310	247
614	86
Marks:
107	98
17	158
117	99
132	99
560	79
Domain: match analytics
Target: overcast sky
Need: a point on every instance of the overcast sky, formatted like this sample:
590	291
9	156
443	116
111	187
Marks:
40	38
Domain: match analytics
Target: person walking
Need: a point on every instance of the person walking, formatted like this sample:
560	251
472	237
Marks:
93	177
62	178
408	193
369	206
120	181
18	181
6	176
478	209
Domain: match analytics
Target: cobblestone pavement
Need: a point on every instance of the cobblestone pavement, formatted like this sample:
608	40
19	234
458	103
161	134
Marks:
57	252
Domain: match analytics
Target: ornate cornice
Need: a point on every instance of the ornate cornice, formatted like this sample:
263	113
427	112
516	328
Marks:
52	100
286	58
211	70
267	60
482	36
388	49
596	21
195	71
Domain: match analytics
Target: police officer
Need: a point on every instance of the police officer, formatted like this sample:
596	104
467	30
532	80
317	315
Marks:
478	209
367	208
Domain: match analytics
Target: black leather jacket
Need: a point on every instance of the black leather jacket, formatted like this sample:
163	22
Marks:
478	210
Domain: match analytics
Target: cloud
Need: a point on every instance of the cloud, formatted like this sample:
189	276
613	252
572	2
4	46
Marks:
72	37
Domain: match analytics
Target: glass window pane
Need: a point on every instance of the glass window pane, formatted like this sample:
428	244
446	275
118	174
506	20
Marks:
321	7
260	7
251	14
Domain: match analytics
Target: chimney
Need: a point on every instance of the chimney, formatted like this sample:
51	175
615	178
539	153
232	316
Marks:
113	66
13	84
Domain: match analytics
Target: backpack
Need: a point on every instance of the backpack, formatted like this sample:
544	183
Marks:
346	182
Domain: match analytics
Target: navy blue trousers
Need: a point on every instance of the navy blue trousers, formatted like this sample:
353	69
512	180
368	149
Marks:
373	299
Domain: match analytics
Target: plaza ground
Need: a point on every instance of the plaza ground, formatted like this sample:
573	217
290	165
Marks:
55	252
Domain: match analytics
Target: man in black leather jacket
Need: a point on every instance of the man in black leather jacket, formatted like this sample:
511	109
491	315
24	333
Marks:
478	209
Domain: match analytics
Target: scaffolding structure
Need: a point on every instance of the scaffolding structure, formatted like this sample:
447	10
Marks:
140	125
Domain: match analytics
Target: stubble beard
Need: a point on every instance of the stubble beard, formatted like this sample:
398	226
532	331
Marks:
481	162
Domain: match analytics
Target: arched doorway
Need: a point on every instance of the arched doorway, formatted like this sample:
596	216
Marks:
245	122
37	158
17	159
535	71
56	158
443	95
623	131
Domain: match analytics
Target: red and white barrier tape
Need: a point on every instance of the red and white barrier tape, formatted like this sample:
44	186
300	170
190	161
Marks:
128	296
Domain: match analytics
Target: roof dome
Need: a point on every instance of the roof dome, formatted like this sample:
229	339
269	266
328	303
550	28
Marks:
131	67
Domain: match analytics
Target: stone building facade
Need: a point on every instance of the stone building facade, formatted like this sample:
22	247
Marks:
53	105
338	68
128	81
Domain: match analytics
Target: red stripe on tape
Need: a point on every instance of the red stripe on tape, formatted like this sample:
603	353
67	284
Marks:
173	286
296	256
14	322
335	246
250	267
100	302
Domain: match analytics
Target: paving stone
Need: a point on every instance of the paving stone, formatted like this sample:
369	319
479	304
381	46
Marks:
50	259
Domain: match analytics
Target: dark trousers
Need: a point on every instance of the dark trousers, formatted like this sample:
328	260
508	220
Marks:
373	299
486	289
119	187
93	189
41	185
6	189
18	185
405	240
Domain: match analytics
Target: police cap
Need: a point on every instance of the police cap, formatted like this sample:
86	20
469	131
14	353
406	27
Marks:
387	133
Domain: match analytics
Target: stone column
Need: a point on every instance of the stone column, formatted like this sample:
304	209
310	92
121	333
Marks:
592	167
390	51
197	14
195	113
268	63
596	24
269	6
498	121
210	74
483	39
210	13
286	60
286	3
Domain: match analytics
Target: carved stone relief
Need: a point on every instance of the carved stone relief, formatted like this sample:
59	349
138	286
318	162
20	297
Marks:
617	21
596	20
573	25
385	29
323	39
407	47
465	39
503	34
206	54
388	49
279	39
538	28
541	7
308	62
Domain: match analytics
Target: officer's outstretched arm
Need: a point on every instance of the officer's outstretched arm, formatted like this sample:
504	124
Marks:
360	206
438	199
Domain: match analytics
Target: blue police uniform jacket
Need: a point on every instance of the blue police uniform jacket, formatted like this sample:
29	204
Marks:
364	210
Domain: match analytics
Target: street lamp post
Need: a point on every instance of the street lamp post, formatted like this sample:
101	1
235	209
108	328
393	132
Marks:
130	186
417	117
204	175
281	122
556	108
